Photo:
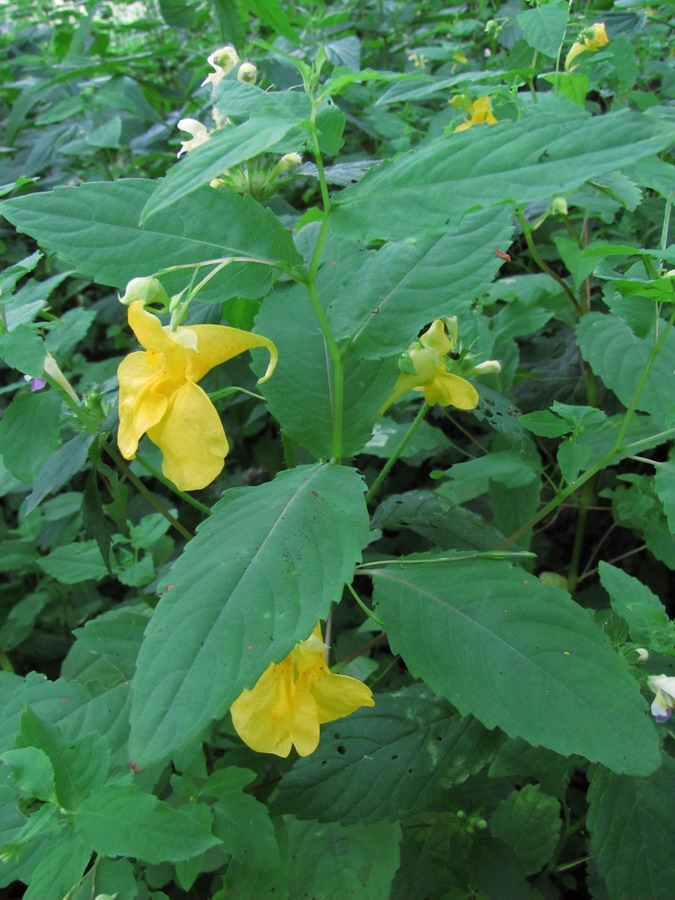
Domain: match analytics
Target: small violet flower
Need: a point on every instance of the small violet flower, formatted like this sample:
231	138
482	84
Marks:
36	384
664	701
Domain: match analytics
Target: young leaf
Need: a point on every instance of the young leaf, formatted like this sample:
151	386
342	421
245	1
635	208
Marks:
544	26
643	611
518	655
551	150
528	821
618	356
263	568
59	866
96	228
632	832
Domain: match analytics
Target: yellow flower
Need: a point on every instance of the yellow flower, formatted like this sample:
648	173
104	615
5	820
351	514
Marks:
159	394
222	60
592	39
480	112
291	699
426	360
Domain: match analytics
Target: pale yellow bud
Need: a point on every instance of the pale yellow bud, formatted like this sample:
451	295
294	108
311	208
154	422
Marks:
222	60
247	73
489	367
147	290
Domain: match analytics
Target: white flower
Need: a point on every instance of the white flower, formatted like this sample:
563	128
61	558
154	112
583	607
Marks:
222	60
664	701
200	135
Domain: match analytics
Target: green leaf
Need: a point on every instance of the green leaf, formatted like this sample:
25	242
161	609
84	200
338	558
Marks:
385	762
23	349
633	832
518	655
544	26
178	13
59	866
646	616
504	466
263	568
122	820
299	394
66	462
545	423
32	772
619	357
29	431
95	227
225	148
528	821
438	519
551	150
244	826
79	766
274	16
388	434
405	285
70	329
76	562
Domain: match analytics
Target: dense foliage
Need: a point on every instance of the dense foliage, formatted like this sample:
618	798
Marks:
337	554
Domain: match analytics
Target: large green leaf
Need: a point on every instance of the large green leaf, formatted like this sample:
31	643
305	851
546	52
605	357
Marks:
551	150
544	26
618	356
225	148
323	862
407	284
299	395
122	820
261	571
29	432
633	832
95	227
386	762
518	655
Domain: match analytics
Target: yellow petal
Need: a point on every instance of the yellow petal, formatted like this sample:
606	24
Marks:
404	383
337	696
275	715
191	438
575	50
436	338
140	405
218	343
451	390
148	329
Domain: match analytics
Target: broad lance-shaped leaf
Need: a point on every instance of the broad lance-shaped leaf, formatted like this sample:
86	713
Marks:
95	227
263	568
405	285
225	148
552	149
300	394
386	762
518	655
619	357
633	832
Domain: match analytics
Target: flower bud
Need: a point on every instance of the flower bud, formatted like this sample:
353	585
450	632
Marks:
554	580
247	73
489	367
147	290
559	206
642	654
52	369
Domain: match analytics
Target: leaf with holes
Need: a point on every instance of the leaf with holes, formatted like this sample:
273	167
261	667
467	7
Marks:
263	568
517	655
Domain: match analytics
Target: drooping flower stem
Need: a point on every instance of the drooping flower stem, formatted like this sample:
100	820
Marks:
414	425
536	256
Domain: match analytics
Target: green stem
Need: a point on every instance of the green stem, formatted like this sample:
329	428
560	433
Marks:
288	451
337	366
368	612
414	425
608	458
141	488
531	246
5	662
573	573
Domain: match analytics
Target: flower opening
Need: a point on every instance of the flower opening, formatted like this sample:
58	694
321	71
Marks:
160	395
664	700
590	39
293	698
